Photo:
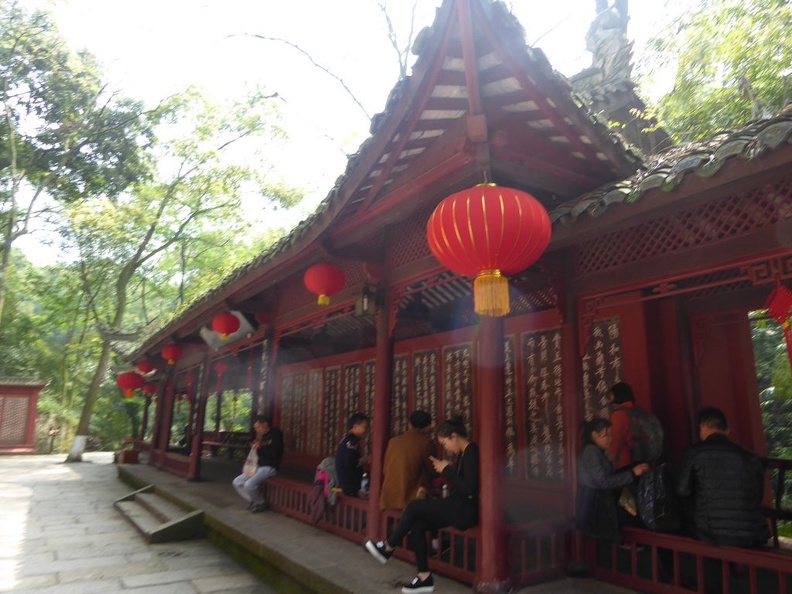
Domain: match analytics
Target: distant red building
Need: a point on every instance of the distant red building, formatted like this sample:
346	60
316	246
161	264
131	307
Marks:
18	401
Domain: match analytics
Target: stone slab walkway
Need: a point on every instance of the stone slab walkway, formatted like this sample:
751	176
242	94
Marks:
59	534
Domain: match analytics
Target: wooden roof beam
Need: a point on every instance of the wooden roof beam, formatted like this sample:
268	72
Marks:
536	174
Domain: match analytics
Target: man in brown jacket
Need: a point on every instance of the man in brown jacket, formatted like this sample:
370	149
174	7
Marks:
407	467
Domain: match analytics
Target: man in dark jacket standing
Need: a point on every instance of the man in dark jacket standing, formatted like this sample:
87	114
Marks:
726	483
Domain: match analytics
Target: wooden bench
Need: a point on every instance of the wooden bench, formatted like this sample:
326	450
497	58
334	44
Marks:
777	469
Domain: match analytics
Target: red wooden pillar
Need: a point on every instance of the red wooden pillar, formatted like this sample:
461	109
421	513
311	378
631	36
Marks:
492	576
144	423
381	412
166	416
200	397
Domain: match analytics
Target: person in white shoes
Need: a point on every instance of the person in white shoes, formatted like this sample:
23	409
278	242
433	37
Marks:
460	510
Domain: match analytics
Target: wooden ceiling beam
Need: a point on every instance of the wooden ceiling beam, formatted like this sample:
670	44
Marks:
534	175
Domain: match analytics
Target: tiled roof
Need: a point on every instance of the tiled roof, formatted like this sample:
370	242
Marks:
667	170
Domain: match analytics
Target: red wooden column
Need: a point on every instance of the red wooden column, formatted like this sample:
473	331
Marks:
166	415
200	397
381	411
144	423
492	576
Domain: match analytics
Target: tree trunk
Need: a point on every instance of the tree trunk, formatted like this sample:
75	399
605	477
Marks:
81	437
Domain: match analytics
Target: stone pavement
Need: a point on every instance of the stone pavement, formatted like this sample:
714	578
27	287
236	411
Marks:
60	534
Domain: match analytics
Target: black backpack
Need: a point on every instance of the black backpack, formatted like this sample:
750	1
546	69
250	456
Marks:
647	434
657	502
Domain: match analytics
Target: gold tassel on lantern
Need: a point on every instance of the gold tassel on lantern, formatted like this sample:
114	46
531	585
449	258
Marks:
491	294
323	300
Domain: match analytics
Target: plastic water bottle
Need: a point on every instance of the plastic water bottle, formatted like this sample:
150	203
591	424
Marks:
364	484
445	491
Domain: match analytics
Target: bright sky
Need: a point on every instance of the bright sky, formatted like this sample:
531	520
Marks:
152	49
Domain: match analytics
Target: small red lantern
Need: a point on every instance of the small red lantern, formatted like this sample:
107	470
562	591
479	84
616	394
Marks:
489	232
225	324
145	367
129	382
150	388
779	306
172	353
324	280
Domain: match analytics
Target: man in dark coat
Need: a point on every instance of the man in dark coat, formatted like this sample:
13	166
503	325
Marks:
726	483
349	459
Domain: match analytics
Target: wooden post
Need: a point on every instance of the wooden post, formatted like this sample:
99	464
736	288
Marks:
200	398
144	422
166	415
492	575
381	411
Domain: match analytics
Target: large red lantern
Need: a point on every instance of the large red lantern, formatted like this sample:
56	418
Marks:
325	280
129	382
225	324
172	353
779	306
489	232
145	367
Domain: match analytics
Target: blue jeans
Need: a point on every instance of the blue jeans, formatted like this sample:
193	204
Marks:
249	488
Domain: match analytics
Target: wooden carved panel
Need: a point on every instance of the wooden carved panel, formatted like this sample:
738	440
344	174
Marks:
602	366
332	393
351	390
425	381
313	410
510	408
400	394
458	381
261	404
541	353
369	386
300	390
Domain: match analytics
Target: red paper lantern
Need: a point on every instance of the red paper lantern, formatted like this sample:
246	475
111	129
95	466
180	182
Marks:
150	388
225	324
145	367
324	280
172	353
129	382
489	232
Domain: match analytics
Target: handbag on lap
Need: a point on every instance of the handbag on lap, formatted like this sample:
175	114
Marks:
251	463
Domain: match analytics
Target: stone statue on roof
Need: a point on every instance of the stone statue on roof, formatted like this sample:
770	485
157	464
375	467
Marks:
607	41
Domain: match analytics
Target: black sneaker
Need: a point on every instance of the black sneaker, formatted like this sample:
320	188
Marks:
378	551
419	585
259	507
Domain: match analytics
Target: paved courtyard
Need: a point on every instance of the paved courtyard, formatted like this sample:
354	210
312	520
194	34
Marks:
59	534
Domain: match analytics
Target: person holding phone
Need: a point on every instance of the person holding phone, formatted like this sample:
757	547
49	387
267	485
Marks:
460	510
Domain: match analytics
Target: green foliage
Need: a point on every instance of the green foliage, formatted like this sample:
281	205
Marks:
732	60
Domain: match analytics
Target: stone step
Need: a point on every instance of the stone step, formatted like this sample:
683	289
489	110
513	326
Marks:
157	519
160	507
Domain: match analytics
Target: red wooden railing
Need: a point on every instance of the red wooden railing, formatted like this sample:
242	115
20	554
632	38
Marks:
538	549
666	563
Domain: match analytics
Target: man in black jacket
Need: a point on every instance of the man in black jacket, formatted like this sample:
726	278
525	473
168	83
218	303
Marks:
726	482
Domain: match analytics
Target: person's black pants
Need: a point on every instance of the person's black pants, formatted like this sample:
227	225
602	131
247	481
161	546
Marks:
422	516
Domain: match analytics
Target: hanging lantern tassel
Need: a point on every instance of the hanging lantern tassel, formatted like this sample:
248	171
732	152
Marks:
491	293
323	300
